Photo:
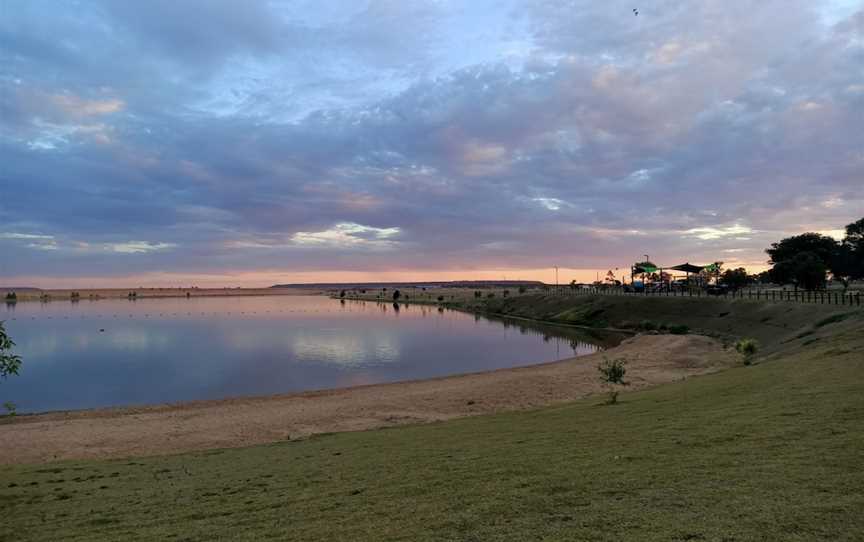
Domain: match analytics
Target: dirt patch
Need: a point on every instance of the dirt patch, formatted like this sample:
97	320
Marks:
167	429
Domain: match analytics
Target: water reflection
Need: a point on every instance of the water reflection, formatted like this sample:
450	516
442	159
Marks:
119	352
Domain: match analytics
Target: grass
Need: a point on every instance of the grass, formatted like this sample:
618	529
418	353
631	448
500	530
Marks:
767	452
764	321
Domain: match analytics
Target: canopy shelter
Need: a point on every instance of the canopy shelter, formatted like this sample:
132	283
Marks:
647	269
688	268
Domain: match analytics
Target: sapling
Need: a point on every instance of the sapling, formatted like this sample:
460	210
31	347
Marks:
611	375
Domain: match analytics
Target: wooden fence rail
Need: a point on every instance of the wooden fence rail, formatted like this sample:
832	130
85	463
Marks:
801	296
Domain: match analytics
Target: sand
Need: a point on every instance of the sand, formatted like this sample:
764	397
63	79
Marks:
229	423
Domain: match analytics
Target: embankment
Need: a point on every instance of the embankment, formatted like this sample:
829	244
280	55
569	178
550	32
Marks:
772	324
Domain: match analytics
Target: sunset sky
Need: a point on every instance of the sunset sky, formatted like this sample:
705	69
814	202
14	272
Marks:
177	142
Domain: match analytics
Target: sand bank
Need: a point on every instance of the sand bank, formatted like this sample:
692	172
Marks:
168	429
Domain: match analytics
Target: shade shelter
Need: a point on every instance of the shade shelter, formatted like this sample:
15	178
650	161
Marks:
688	268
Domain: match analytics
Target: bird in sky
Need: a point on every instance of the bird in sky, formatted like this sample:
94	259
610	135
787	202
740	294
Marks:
635	11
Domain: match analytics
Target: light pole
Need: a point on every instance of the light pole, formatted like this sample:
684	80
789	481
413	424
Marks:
556	278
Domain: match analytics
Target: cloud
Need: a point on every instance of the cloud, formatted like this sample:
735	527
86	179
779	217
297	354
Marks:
137	247
552	204
348	234
711	233
490	135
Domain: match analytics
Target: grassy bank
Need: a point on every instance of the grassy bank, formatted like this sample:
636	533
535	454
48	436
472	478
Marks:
769	323
766	452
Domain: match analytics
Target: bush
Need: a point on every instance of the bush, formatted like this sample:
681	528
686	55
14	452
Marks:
342	293
521	289
747	347
396	295
478	293
506	293
612	374
490	295
648	325
440	298
679	329
10	364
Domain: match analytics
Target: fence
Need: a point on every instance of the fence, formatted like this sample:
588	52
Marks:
822	297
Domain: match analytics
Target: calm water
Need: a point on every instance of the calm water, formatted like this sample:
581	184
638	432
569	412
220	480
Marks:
167	350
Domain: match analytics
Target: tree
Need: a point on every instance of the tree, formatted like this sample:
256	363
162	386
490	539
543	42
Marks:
10	364
396	295
855	234
735	278
612	374
852	251
822	246
764	277
805	270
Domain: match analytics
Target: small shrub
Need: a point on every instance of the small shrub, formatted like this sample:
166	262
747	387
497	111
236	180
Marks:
611	375
747	347
342	293
478	293
11	408
521	289
396	295
506	293
676	329
648	325
490	295
440	298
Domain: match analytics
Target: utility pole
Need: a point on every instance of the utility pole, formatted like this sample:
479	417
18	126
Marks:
556	278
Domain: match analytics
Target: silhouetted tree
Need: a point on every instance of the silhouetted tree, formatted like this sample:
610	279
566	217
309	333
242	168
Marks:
822	247
805	270
396	295
851	253
735	278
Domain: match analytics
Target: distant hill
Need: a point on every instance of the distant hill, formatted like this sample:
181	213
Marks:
439	284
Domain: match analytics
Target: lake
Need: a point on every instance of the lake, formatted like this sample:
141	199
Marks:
114	352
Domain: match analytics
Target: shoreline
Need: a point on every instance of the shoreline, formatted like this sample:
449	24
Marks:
171	428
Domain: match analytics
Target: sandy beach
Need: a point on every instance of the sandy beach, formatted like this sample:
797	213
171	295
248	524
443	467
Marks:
237	422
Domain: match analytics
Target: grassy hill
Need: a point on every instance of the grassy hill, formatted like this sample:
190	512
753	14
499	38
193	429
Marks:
771	451
769	323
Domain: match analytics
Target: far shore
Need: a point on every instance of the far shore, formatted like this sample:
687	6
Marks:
84	294
238	422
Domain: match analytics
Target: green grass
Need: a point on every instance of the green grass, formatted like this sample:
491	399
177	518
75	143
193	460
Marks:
767	322
774	451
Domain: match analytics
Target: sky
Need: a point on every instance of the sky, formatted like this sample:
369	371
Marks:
214	142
